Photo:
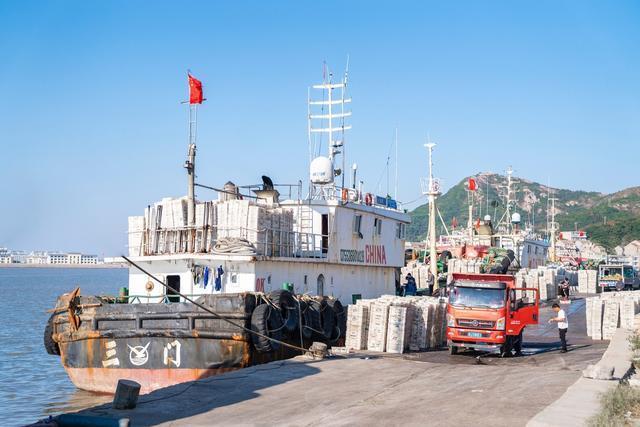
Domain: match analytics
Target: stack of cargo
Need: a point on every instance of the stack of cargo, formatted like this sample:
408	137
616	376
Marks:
588	282
378	322
269	229
136	233
399	328
164	227
609	311
422	326
396	324
357	327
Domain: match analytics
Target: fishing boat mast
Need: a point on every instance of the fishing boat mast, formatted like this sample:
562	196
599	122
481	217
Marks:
195	98
324	169
432	192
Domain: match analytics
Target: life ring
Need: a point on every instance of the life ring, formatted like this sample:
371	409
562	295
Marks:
368	199
345	194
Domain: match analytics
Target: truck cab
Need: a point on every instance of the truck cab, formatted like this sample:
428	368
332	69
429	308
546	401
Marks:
487	312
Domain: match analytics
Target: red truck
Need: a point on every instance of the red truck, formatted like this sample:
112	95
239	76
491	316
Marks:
487	312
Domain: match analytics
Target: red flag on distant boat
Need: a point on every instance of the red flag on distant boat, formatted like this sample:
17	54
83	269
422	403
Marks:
195	90
473	186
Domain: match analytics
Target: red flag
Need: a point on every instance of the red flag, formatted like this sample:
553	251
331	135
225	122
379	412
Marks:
472	184
195	90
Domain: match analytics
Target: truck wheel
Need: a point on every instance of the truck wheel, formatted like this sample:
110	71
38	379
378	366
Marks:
453	350
505	349
518	345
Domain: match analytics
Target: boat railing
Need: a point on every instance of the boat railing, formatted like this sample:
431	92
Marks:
158	299
352	195
267	242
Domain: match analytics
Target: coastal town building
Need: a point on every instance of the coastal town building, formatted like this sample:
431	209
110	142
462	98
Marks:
8	256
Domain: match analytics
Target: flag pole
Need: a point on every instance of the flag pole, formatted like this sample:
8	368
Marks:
190	165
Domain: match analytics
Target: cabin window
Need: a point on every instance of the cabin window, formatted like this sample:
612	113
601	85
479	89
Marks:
400	231
357	224
377	226
536	250
325	234
234	278
305	279
173	282
528	249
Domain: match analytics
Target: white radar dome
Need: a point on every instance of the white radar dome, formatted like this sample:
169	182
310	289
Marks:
515	218
321	171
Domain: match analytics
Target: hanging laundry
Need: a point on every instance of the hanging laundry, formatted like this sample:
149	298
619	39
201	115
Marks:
219	274
206	276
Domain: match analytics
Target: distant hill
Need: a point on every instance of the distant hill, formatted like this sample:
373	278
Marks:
582	209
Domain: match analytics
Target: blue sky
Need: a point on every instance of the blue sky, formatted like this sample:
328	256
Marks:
92	129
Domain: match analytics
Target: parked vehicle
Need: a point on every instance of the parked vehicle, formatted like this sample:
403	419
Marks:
487	312
618	277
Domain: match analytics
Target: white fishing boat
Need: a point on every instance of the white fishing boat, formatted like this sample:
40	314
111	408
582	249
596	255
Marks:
233	254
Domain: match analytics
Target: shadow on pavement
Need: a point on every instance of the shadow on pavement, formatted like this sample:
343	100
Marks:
205	395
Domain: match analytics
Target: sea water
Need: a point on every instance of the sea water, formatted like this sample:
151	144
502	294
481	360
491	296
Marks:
33	384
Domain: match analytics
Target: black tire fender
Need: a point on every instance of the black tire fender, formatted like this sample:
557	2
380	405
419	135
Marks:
267	321
288	306
327	319
340	326
50	345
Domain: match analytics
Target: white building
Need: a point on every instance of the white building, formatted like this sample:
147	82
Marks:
88	259
37	257
57	258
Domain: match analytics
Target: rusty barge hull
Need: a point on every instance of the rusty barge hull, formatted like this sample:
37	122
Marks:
156	345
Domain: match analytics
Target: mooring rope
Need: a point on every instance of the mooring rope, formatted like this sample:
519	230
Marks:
218	316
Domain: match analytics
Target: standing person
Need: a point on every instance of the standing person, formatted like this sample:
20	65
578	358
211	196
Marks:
430	281
410	288
563	325
564	287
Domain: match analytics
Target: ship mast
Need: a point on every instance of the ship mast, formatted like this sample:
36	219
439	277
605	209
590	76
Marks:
195	98
553	225
190	165
331	122
432	192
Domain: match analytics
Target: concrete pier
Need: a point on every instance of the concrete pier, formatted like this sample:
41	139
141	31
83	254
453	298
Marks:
431	388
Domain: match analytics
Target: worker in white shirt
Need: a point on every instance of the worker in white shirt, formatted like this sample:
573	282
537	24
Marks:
563	325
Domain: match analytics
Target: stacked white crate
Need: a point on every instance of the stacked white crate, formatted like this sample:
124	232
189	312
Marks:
611	310
399	328
357	327
549	277
596	318
378	318
592	286
589	302
136	231
627	313
610	319
423	318
583	281
422	326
